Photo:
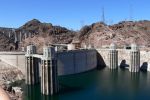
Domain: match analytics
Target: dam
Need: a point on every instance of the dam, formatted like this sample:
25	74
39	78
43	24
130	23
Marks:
61	63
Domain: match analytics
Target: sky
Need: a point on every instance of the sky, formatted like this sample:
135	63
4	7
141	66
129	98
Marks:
72	14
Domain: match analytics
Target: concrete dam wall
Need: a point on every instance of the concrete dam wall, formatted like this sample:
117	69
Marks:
76	61
69	62
124	56
16	59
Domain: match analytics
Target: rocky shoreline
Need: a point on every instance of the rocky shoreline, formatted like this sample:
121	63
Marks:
14	92
10	80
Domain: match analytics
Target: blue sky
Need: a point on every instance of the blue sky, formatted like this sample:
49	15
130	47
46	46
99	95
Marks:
71	13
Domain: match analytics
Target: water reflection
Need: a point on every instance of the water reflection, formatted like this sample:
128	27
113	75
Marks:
98	84
44	97
31	92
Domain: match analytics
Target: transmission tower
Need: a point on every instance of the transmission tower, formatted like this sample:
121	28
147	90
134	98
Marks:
103	15
131	12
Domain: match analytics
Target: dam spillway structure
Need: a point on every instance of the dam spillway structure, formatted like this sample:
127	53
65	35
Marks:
49	82
113	57
134	58
32	71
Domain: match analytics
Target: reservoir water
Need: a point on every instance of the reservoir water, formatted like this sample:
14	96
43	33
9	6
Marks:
97	85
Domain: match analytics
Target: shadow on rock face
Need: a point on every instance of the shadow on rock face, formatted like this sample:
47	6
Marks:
100	62
144	67
123	64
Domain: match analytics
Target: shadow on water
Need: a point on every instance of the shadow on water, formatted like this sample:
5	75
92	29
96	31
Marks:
33	93
76	82
71	84
67	89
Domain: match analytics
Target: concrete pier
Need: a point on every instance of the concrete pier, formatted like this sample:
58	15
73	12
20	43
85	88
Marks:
32	71
113	57
49	82
134	59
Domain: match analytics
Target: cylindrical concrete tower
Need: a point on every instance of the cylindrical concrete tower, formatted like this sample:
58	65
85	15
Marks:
20	37
49	82
31	49
134	59
32	70
113	57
